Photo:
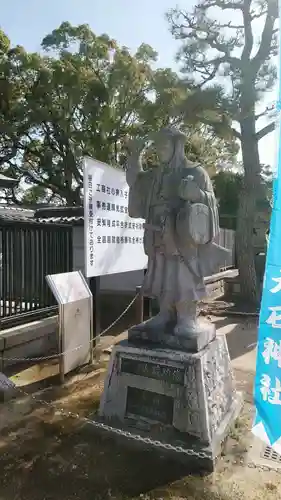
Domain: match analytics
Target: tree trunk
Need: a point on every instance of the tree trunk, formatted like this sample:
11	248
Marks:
246	211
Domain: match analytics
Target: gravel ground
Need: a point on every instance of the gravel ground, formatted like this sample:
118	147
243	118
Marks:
46	455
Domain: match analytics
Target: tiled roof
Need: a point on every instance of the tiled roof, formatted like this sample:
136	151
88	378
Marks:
15	209
61	215
62	220
46	215
7	181
13	213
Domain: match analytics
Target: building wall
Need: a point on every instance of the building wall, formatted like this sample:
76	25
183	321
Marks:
121	282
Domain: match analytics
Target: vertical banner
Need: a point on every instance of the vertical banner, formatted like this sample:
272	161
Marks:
267	425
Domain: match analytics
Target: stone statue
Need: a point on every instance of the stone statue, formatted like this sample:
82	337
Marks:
181	222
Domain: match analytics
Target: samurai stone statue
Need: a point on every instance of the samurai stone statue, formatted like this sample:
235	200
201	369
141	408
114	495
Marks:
178	204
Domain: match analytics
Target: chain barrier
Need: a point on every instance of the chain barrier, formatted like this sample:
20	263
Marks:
263	468
190	452
105	427
59	354
114	430
95	423
129	435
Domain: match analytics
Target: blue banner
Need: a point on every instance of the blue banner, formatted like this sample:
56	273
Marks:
267	425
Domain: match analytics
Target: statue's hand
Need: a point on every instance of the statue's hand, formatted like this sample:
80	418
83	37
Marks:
136	146
134	163
190	191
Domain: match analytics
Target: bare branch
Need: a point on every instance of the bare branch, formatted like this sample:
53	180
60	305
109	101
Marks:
265	130
236	133
222	5
232	26
248	33
205	5
210	37
267	35
263	113
211	76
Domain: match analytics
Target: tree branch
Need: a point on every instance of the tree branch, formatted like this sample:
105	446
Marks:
265	130
222	5
9	156
266	38
233	6
263	113
211	37
248	33
236	133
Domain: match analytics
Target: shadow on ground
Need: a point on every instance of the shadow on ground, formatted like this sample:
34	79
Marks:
241	334
46	456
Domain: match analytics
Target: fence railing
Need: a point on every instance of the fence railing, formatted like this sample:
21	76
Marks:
228	222
226	239
28	252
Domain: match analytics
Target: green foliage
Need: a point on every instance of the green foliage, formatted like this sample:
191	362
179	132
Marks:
230	56
227	186
85	96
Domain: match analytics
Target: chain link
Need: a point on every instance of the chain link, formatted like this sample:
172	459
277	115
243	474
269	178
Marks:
129	435
100	425
263	468
59	354
149	441
95	423
114	430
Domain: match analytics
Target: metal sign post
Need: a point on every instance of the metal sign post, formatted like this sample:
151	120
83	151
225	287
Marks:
95	289
75	320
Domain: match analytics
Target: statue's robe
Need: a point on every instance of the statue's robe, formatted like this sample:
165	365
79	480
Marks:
176	268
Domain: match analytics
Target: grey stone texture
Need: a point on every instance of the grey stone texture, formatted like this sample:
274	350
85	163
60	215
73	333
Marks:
173	373
205	333
179	207
191	396
8	389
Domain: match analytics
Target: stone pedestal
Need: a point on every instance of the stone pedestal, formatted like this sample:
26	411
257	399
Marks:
205	334
184	399
8	389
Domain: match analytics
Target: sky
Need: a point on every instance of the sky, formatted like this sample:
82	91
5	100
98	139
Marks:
129	22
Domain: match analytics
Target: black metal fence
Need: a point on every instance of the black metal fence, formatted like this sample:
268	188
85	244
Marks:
228	222
28	252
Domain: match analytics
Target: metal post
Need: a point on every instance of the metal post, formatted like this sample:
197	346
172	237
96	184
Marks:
61	345
147	303
139	305
147	307
95	289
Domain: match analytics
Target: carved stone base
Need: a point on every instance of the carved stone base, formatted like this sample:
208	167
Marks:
206	333
183	399
8	389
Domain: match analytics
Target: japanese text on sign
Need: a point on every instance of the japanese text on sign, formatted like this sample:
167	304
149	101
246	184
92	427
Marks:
268	377
271	351
110	234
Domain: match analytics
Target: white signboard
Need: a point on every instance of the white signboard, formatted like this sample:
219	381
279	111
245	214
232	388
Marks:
68	287
75	319
113	241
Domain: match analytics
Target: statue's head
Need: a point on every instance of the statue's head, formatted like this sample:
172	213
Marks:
169	143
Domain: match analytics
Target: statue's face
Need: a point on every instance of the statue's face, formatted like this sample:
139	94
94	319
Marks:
165	150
